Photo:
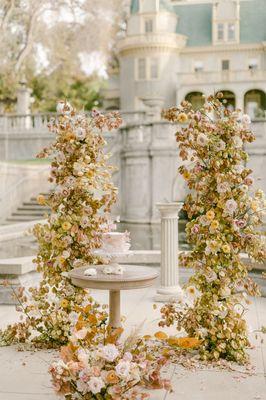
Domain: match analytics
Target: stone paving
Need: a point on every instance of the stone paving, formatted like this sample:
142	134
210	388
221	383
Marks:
23	375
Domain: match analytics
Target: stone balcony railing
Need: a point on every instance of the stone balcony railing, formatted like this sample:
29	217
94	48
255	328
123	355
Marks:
160	39
205	77
37	123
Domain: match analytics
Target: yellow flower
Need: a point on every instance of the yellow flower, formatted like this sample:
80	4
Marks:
186	175
41	200
254	205
210	215
66	225
214	224
64	303
226	248
182	117
213	245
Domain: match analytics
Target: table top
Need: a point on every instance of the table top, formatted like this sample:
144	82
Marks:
134	277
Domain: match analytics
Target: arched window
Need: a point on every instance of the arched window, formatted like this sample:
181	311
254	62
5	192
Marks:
229	99
255	103
196	99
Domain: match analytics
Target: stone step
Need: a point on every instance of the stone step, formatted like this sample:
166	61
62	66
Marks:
29	212
19	218
30	203
34	198
33	207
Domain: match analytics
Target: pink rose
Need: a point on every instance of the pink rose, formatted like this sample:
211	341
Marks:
195	229
249	181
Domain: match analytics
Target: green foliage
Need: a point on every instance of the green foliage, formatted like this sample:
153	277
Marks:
82	92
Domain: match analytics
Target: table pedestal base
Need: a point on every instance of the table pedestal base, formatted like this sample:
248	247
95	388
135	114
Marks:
114	309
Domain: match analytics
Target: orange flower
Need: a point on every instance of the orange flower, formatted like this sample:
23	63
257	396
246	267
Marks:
185	342
161	335
69	136
111	377
41	200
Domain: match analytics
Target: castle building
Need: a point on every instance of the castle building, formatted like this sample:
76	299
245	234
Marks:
183	49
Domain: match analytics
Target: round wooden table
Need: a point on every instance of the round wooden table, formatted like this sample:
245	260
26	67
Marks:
134	277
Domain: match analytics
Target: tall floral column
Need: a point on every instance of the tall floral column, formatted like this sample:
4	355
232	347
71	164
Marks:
170	287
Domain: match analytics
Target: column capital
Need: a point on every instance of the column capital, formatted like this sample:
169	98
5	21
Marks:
169	210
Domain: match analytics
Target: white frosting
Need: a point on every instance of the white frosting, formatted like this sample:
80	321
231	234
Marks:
115	242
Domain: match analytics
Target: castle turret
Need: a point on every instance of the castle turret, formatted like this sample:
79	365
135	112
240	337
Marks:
149	54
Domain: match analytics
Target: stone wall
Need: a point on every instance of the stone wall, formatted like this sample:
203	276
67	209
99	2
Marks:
19	182
145	153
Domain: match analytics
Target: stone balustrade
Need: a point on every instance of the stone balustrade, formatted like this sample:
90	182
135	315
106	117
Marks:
219	77
144	150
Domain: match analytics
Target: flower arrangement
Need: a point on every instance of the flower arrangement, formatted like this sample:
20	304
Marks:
225	214
80	204
109	369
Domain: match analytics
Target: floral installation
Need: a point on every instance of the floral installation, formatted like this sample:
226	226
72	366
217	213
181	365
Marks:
225	215
112	368
80	204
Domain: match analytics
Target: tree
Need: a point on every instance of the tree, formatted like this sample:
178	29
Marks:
80	206
44	38
224	222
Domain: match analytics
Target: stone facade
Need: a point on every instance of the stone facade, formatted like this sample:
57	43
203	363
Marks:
184	49
171	50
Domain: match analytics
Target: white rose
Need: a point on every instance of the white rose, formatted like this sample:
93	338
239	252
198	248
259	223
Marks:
66	254
84	222
80	133
230	206
109	352
225	292
237	142
78	168
211	276
83	356
95	384
122	369
90	272
80	334
239	168
63	107
202	139
220	145
246	119
223	187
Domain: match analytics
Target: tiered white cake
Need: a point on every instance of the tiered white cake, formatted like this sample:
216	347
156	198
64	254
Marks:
115	242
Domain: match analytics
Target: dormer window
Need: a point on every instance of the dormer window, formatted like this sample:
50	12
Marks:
148	25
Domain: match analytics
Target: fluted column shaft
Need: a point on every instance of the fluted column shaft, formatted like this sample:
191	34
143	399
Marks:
170	287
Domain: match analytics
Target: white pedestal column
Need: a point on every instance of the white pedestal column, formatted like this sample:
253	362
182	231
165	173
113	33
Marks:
170	288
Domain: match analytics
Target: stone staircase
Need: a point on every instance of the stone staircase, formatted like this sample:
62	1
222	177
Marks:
29	210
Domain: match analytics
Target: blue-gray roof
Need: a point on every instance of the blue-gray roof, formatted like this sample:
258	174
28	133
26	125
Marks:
164	5
195	20
134	6
253	21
